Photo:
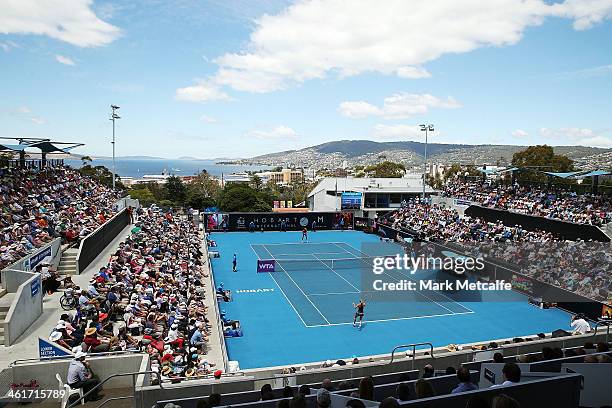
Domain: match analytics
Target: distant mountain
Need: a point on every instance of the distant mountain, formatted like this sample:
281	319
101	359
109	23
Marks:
364	152
129	158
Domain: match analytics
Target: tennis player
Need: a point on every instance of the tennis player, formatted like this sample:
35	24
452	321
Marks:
305	234
359	312
234	263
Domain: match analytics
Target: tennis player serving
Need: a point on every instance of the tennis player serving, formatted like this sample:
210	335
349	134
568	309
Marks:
359	307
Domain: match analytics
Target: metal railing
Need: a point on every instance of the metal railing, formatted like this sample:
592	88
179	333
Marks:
99	385
414	346
605	324
71	356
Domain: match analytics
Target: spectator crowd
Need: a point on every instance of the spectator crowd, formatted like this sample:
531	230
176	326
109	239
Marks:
433	222
39	205
149	297
579	267
555	204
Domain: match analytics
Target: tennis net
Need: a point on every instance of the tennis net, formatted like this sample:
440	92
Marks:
318	264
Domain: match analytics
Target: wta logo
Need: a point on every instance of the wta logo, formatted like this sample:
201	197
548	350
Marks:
266	265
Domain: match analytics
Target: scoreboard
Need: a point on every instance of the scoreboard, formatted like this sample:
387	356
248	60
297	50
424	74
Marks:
351	200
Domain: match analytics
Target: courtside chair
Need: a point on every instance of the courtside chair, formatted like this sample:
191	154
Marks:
69	391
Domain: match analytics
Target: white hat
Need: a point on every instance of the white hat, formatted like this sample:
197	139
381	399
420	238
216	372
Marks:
80	354
55	336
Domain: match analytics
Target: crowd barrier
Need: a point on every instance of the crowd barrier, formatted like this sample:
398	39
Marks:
567	230
92	245
17	278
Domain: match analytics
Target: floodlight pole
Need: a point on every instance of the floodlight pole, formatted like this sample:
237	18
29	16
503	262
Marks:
114	117
426	129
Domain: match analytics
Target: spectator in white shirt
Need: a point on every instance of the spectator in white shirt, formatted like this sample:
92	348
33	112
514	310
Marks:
580	325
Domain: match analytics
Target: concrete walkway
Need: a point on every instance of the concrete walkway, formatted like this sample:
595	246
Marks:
215	347
26	345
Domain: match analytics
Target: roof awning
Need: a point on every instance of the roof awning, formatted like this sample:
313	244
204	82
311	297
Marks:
47	147
12	147
567	175
593	174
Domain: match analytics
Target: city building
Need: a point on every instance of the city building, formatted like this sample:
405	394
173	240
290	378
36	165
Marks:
285	176
368	197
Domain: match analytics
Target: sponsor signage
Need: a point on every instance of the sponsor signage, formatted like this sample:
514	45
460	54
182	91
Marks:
293	220
39	257
47	349
35	286
266	265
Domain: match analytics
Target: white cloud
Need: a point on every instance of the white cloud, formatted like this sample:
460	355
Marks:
412	72
585	13
519	133
64	60
576	136
567	133
397	106
597	141
593	72
396	132
208	119
313	39
358	109
71	21
202	91
7	45
24	113
278	132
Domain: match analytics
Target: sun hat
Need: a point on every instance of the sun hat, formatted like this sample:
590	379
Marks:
55	336
90	331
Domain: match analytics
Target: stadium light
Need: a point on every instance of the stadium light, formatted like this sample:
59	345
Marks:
426	129
114	117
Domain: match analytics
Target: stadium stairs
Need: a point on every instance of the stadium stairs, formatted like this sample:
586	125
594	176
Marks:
3	311
67	265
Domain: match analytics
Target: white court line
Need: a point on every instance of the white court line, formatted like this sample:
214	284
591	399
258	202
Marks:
392	320
302	243
417	292
282	291
408	276
451	299
317	253
298	286
340	293
341	277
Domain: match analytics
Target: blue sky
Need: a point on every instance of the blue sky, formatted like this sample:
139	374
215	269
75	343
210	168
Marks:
237	78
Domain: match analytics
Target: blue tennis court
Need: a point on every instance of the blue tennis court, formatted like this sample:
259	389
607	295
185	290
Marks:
304	312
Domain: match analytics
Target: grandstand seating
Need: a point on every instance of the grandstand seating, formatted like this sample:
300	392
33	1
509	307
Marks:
39	205
555	204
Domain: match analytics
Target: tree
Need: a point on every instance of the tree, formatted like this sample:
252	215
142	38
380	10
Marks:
385	169
175	190
85	160
536	159
202	192
143	195
256	182
543	158
101	174
242	197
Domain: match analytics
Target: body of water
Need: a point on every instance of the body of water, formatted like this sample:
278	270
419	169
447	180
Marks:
137	168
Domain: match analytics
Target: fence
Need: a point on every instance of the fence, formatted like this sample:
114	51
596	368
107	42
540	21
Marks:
27	305
92	245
